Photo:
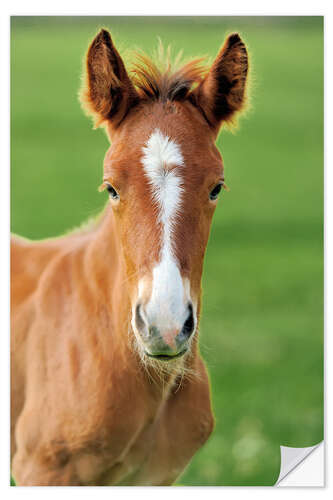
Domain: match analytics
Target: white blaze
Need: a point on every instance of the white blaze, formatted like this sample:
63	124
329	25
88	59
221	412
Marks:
168	297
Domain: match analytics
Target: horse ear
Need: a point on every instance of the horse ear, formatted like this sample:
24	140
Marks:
222	92
109	93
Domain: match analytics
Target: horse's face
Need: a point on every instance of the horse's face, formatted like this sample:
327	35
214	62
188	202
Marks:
164	176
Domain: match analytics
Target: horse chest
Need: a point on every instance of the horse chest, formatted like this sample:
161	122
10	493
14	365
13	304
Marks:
122	456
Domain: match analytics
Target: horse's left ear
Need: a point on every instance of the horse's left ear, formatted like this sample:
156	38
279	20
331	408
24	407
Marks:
222	92
109	93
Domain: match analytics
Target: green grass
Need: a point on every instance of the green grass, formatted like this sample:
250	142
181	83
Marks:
262	323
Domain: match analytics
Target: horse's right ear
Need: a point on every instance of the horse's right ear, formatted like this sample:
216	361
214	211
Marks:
108	93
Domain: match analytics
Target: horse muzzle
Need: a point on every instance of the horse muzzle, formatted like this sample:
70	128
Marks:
160	340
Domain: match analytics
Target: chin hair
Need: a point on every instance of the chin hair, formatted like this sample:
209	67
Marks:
161	371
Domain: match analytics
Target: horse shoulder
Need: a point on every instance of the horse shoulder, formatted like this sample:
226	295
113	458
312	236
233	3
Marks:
32	265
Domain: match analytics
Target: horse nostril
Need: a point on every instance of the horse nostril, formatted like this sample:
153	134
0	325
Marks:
188	327
139	321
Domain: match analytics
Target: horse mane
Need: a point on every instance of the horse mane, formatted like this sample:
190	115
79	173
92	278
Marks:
162	78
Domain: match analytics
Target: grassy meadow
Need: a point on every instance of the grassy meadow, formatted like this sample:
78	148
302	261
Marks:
262	321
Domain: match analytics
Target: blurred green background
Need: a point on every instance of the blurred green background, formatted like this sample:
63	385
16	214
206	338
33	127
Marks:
262	322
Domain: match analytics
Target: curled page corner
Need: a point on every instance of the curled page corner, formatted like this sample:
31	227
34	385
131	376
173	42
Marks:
291	458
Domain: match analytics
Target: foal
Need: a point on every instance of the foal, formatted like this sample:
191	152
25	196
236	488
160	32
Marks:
108	386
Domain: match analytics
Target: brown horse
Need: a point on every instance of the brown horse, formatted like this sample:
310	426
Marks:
108	386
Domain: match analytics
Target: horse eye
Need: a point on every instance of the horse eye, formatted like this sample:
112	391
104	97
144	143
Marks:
215	192
112	192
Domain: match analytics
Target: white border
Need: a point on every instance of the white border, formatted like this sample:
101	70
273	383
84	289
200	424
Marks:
170	8
136	7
